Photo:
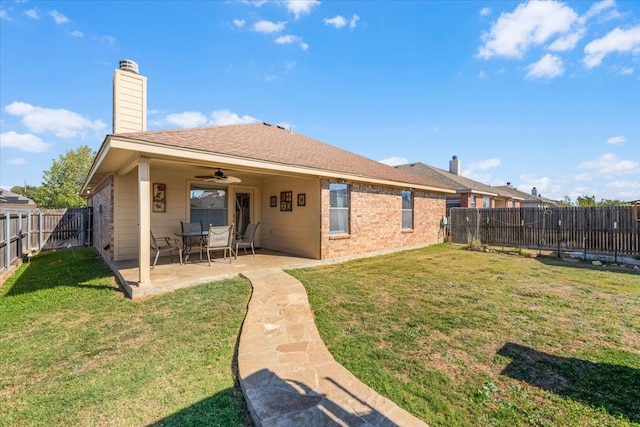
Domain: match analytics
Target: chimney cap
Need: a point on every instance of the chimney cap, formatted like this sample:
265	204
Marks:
129	65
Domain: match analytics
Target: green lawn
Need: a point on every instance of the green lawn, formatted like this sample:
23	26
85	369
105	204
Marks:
463	338
73	351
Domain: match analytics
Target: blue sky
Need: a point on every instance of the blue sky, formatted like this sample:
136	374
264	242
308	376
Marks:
539	94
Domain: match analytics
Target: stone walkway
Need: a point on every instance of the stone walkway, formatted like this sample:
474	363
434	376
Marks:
288	376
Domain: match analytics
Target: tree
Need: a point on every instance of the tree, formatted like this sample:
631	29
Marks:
27	191
586	201
565	202
63	182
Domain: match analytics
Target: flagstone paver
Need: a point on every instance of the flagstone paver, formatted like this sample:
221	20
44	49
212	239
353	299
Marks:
287	374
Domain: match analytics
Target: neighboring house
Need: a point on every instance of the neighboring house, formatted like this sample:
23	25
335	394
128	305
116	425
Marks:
532	200
469	193
14	201
311	199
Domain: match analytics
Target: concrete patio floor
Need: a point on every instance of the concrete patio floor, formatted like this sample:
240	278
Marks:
168	276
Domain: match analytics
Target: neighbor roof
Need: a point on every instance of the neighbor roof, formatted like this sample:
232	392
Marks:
526	197
273	145
451	180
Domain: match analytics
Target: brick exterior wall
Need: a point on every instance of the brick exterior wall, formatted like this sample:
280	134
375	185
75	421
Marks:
375	221
102	203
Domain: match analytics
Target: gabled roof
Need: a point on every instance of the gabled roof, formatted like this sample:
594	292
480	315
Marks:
268	146
451	180
526	197
9	199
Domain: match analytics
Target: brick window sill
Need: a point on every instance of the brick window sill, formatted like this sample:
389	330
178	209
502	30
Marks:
339	236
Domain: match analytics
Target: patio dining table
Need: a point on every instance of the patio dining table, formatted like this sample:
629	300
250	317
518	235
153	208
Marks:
188	240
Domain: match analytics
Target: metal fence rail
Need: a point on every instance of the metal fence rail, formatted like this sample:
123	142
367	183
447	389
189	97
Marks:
22	232
612	230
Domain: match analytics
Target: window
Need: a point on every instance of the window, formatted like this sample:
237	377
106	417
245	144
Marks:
486	202
472	201
208	204
338	208
407	210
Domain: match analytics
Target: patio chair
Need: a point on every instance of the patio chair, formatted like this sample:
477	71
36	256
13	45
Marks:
164	244
192	237
220	238
247	240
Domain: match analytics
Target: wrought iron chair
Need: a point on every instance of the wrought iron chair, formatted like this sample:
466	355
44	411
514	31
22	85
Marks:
164	244
247	240
220	238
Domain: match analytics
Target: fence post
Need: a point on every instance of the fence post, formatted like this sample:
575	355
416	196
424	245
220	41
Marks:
7	233
29	230
40	242
19	242
558	236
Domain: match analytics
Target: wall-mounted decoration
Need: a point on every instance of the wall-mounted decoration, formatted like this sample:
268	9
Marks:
273	201
302	199
159	198
286	201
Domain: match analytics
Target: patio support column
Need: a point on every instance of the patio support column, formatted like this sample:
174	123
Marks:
144	212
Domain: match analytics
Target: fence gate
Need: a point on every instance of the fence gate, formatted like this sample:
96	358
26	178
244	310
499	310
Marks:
24	231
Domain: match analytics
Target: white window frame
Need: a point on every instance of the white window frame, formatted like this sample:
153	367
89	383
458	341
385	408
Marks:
407	211
337	223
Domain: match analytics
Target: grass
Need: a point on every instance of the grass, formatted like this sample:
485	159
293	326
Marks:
467	338
73	351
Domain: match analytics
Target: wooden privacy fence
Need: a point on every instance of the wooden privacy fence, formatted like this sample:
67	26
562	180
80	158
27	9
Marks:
22	232
613	230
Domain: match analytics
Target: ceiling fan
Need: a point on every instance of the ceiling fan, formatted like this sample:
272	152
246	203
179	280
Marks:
219	176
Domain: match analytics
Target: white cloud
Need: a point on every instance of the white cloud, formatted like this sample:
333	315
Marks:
109	40
530	24
485	11
544	185
267	27
337	21
291	39
76	33
485	164
58	17
354	21
239	23
63	123
301	7
482	171
616	140
394	161
226	117
191	119
33	13
624	190
610	165
549	66
618	40
24	142
4	15
626	71
188	119
568	41
596	9
17	161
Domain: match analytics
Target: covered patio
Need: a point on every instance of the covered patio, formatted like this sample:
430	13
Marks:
168	276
